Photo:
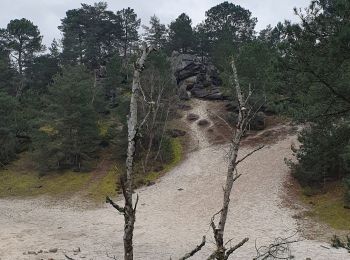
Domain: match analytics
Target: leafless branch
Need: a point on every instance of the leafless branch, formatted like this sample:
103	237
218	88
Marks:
222	253
234	248
137	201
279	249
194	251
115	205
222	119
249	154
69	258
145	118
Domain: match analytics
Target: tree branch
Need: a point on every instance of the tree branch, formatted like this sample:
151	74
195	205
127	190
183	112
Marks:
69	258
115	205
194	251
279	249
234	248
223	120
249	154
137	201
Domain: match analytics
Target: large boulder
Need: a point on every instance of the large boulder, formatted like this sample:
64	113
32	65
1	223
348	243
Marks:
196	75
183	93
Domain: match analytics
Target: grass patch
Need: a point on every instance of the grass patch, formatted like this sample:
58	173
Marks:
176	148
107	186
177	153
17	184
329	207
21	179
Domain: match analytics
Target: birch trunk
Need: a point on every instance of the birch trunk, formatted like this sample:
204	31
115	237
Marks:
221	252
129	210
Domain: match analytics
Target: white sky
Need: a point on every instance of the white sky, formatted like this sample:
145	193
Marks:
47	14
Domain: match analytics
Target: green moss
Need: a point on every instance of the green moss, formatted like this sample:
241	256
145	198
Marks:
65	183
177	152
329	207
22	180
107	186
17	184
176	155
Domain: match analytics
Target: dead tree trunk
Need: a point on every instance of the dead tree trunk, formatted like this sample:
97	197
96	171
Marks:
222	253
129	210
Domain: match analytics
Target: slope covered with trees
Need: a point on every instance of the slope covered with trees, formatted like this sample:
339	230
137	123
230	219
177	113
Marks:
67	103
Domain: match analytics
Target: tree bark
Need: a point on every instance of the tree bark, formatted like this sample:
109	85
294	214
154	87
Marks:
232	175
129	210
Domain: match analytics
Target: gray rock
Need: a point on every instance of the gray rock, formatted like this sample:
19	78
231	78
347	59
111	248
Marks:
53	250
198	76
183	94
176	132
184	107
216	96
190	70
192	117
203	122
199	92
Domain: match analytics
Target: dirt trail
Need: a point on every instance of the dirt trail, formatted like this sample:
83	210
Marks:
172	215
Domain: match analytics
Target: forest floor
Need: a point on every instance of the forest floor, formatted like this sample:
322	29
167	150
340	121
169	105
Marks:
175	213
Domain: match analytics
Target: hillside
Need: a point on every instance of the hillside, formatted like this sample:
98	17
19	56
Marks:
175	212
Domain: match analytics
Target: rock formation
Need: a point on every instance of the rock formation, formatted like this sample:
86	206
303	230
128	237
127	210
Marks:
196	77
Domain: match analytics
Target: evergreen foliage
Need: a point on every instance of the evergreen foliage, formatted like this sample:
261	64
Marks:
156	34
8	141
60	100
181	34
69	134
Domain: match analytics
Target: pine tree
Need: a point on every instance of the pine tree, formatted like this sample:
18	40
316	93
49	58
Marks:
8	141
130	26
70	134
23	41
181	34
90	35
155	34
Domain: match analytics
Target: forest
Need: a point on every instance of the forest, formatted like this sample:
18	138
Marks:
64	108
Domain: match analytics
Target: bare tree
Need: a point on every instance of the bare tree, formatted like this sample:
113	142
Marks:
244	117
157	86
129	209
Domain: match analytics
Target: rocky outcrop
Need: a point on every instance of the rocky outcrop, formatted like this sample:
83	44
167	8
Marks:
196	77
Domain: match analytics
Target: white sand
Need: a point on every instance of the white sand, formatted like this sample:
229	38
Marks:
169	222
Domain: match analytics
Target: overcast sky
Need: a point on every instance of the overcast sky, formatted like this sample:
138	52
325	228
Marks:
47	13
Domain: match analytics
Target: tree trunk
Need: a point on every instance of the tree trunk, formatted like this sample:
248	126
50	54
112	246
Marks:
221	252
129	210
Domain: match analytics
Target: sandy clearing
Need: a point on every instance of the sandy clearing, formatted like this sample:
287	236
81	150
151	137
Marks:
169	221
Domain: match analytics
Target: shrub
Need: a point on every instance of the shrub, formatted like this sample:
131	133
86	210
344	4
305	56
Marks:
321	154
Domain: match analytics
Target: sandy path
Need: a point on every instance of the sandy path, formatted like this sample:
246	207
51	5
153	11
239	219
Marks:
169	221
